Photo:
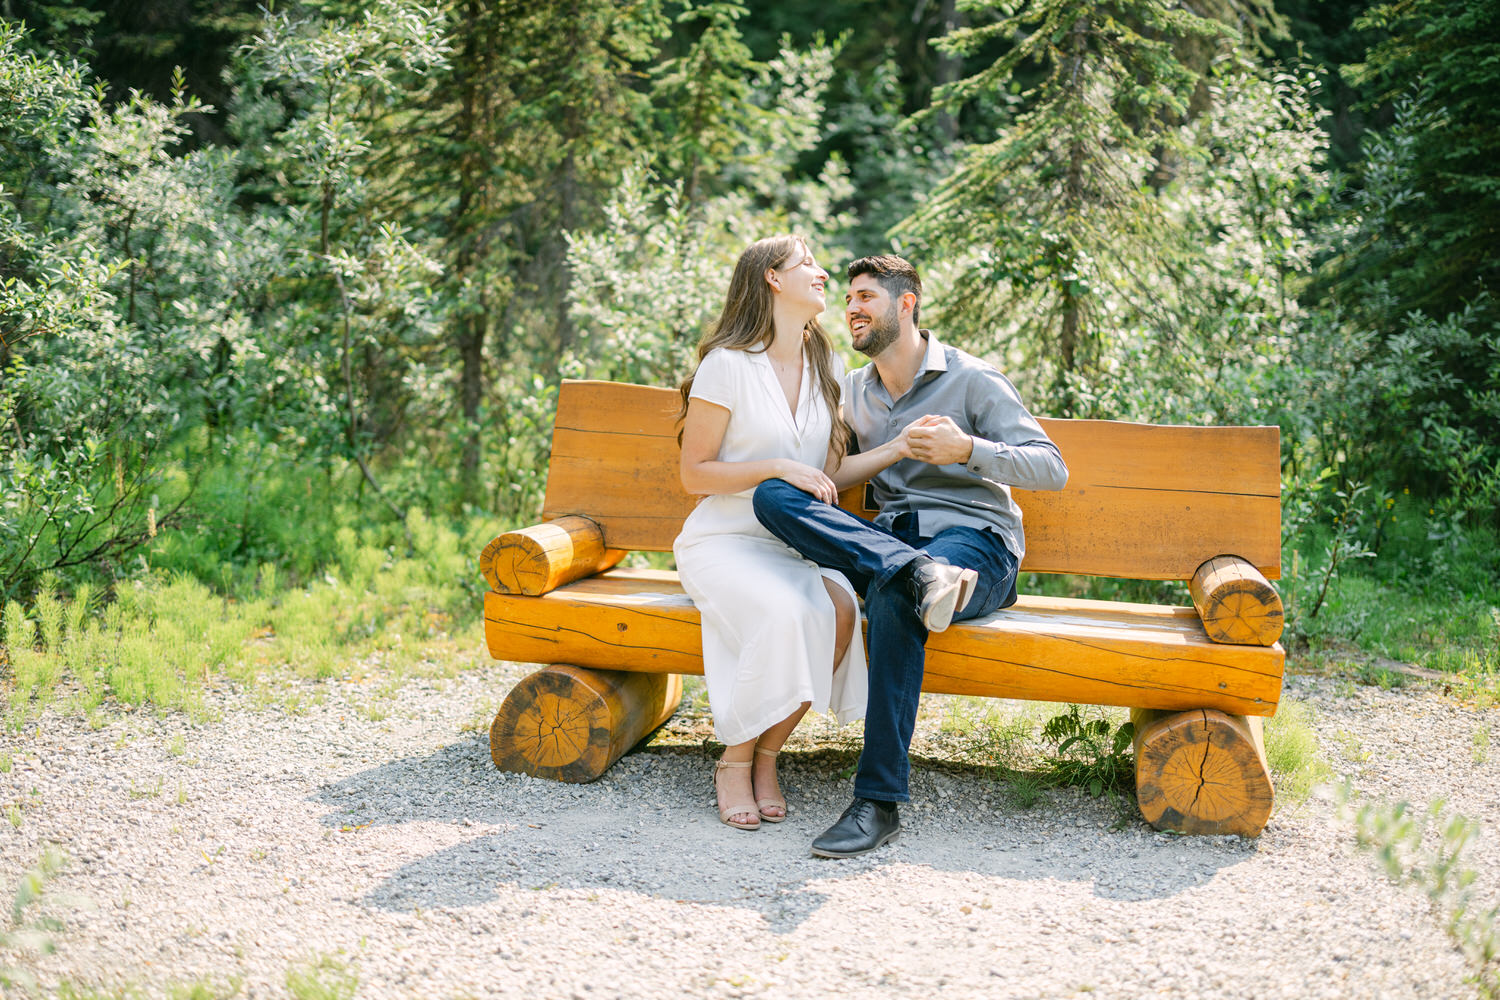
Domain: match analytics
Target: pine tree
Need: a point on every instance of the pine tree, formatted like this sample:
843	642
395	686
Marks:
1053	222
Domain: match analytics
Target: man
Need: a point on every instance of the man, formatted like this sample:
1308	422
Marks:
947	542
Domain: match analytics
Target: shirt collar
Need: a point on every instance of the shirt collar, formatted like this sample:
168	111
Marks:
759	357
936	359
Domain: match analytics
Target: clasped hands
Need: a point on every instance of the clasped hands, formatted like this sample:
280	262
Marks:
934	439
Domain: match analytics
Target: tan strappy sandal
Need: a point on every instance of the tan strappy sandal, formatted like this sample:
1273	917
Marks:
735	808
761	804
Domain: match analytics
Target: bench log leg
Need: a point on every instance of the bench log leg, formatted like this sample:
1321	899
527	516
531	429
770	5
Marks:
1201	772
570	723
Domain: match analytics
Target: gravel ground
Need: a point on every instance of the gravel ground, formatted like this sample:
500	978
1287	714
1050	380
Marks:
386	857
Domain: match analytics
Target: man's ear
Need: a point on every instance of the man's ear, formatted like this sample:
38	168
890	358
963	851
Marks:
908	303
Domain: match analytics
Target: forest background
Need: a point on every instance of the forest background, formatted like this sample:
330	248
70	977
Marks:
286	293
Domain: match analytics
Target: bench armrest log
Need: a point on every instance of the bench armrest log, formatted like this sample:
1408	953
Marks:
539	559
1237	603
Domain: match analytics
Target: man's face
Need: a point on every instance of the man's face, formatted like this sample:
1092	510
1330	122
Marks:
873	316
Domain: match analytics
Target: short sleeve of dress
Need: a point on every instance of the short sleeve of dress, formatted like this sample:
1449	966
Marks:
714	380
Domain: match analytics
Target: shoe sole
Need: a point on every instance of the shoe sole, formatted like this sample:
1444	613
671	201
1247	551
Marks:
950	600
823	852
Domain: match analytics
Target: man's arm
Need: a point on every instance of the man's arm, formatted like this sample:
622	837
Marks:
1009	445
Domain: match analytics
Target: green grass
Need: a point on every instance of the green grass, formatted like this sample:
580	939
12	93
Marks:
1428	596
168	633
206	988
1297	762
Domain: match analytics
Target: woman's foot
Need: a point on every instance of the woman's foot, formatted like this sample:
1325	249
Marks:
769	802
736	795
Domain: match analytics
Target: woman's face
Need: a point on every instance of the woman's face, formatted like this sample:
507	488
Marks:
800	281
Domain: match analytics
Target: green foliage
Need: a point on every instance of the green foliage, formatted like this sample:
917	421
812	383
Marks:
1231	318
82	396
701	97
647	284
1398	397
343	302
1090	753
1434	246
891	163
1403	358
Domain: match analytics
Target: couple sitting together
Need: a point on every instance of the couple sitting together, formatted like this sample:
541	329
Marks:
772	429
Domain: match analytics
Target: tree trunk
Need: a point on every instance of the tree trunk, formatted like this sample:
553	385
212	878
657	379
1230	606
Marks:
1072	332
471	331
949	68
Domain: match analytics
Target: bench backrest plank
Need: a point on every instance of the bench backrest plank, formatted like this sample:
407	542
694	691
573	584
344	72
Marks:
1143	501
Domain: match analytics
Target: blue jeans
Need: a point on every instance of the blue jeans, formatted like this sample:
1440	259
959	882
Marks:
872	558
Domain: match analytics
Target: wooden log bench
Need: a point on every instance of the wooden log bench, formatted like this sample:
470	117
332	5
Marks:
1148	502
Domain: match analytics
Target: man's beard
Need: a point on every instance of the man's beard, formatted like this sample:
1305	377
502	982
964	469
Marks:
881	333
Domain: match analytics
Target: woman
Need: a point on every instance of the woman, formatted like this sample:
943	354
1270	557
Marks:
778	632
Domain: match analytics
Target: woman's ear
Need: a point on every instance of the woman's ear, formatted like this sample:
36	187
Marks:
772	280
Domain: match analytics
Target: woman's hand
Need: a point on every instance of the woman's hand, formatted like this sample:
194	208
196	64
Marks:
809	480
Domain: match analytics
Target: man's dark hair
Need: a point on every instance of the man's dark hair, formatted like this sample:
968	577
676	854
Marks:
895	274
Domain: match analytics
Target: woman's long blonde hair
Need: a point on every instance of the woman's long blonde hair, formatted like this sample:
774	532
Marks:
747	324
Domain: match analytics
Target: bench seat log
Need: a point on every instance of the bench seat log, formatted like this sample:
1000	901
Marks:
1202	772
1043	648
570	724
1236	602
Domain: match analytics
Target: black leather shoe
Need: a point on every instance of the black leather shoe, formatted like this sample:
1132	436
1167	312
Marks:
940	590
865	825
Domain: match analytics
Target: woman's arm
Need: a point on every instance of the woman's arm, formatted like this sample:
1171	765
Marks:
702	472
857	468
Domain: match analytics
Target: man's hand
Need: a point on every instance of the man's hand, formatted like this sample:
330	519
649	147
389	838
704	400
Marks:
938	440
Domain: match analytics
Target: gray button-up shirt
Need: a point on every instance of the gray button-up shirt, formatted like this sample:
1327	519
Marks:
1010	447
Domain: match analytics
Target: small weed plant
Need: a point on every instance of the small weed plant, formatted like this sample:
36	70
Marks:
26	928
322	978
1091	753
1425	849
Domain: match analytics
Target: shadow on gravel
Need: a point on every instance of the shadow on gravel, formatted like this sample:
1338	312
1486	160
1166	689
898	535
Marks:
648	827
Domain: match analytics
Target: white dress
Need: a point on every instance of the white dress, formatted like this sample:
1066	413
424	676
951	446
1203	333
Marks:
768	622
